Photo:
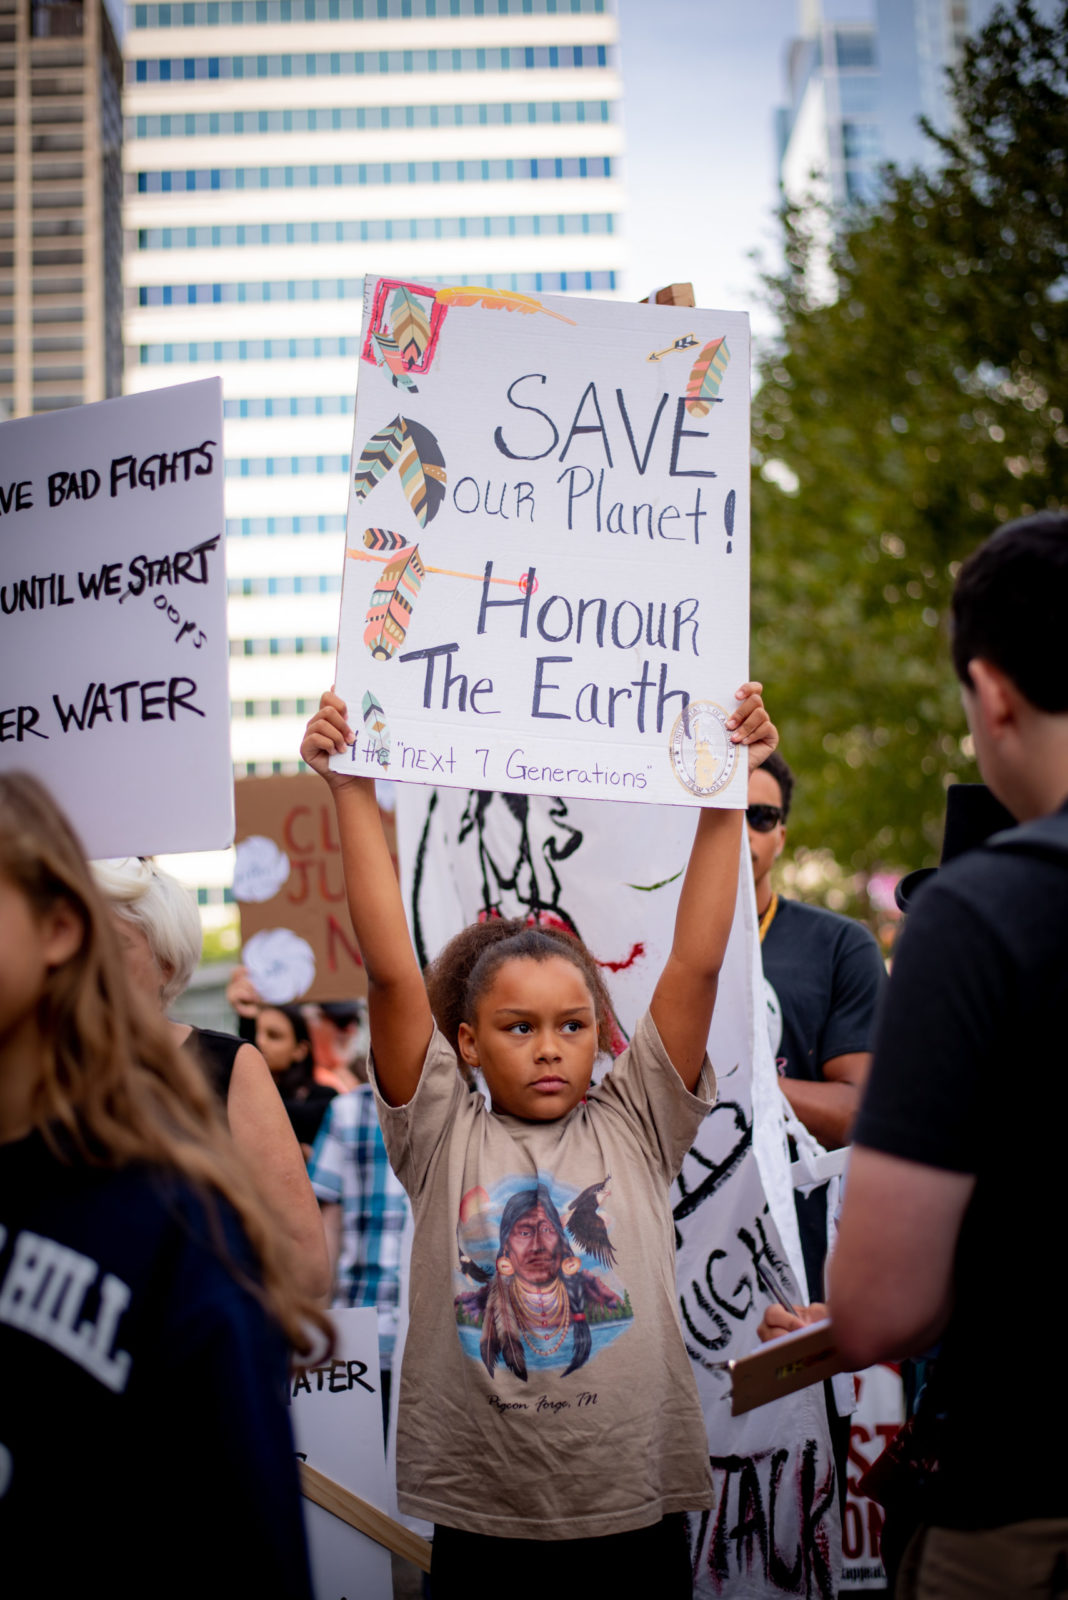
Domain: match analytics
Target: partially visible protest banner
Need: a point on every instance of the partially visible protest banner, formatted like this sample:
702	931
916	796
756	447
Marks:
878	1417
336	1410
547	567
113	618
297	940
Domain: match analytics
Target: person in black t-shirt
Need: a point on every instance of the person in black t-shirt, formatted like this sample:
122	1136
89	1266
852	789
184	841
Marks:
950	1218
824	976
144	1310
825	973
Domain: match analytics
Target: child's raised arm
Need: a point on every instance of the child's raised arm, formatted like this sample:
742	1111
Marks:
685	996
398	1009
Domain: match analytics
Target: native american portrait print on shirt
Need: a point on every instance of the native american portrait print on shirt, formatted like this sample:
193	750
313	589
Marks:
538	1289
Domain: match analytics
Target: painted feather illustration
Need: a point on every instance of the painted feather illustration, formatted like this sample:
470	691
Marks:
390	610
501	1339
422	466
496	300
383	539
422	471
379	455
705	377
389	355
374	719
410	326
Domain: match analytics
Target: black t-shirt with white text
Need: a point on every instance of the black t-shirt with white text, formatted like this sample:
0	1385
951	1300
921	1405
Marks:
144	1441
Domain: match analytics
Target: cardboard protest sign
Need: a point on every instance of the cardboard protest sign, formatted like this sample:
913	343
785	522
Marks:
336	1411
113	616
547	569
297	940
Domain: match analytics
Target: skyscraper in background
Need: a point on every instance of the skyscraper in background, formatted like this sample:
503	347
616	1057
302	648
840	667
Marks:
60	224
278	150
859	76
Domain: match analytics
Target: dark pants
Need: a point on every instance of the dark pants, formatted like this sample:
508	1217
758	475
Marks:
652	1560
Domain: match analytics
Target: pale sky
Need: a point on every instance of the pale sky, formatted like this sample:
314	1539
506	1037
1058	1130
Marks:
701	81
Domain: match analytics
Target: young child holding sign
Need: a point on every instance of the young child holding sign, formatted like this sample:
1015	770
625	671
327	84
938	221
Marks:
144	1309
548	1409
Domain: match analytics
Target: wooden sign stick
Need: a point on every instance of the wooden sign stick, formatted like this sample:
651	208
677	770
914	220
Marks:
363	1516
676	294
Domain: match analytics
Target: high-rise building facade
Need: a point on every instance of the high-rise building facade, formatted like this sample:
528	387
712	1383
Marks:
278	150
60	195
859	77
829	143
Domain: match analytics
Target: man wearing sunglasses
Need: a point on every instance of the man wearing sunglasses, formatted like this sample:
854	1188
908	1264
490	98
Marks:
825	975
826	971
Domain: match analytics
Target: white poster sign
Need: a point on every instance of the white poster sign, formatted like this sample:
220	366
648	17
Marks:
547	569
113	615
612	876
336	1410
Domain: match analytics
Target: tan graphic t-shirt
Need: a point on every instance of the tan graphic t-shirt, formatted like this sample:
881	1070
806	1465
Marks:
546	1392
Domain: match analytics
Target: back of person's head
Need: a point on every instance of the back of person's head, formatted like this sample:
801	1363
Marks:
460	975
111	1086
140	893
1009	606
776	768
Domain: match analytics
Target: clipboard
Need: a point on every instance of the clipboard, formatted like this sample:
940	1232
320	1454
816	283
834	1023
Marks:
784	1365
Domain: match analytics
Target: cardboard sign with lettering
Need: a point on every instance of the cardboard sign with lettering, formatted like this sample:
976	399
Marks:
113	618
547	561
336	1411
297	939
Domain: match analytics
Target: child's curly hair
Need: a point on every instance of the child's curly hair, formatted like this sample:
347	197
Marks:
461	973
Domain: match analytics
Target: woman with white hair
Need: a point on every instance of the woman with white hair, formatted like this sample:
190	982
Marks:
159	930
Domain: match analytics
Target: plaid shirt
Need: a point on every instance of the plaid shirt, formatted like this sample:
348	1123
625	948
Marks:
349	1167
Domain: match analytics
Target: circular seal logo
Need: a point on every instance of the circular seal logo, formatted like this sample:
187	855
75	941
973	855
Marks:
701	751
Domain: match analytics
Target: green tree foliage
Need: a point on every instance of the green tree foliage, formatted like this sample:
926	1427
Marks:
907	419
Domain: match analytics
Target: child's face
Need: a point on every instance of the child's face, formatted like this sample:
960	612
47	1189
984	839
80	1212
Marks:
534	1038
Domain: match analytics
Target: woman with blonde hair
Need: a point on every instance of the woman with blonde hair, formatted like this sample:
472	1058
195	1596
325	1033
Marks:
160	937
144	1308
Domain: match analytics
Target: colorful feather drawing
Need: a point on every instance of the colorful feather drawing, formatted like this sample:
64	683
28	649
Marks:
390	357
410	326
706	376
410	316
383	539
496	300
422	466
390	610
379	455
374	720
